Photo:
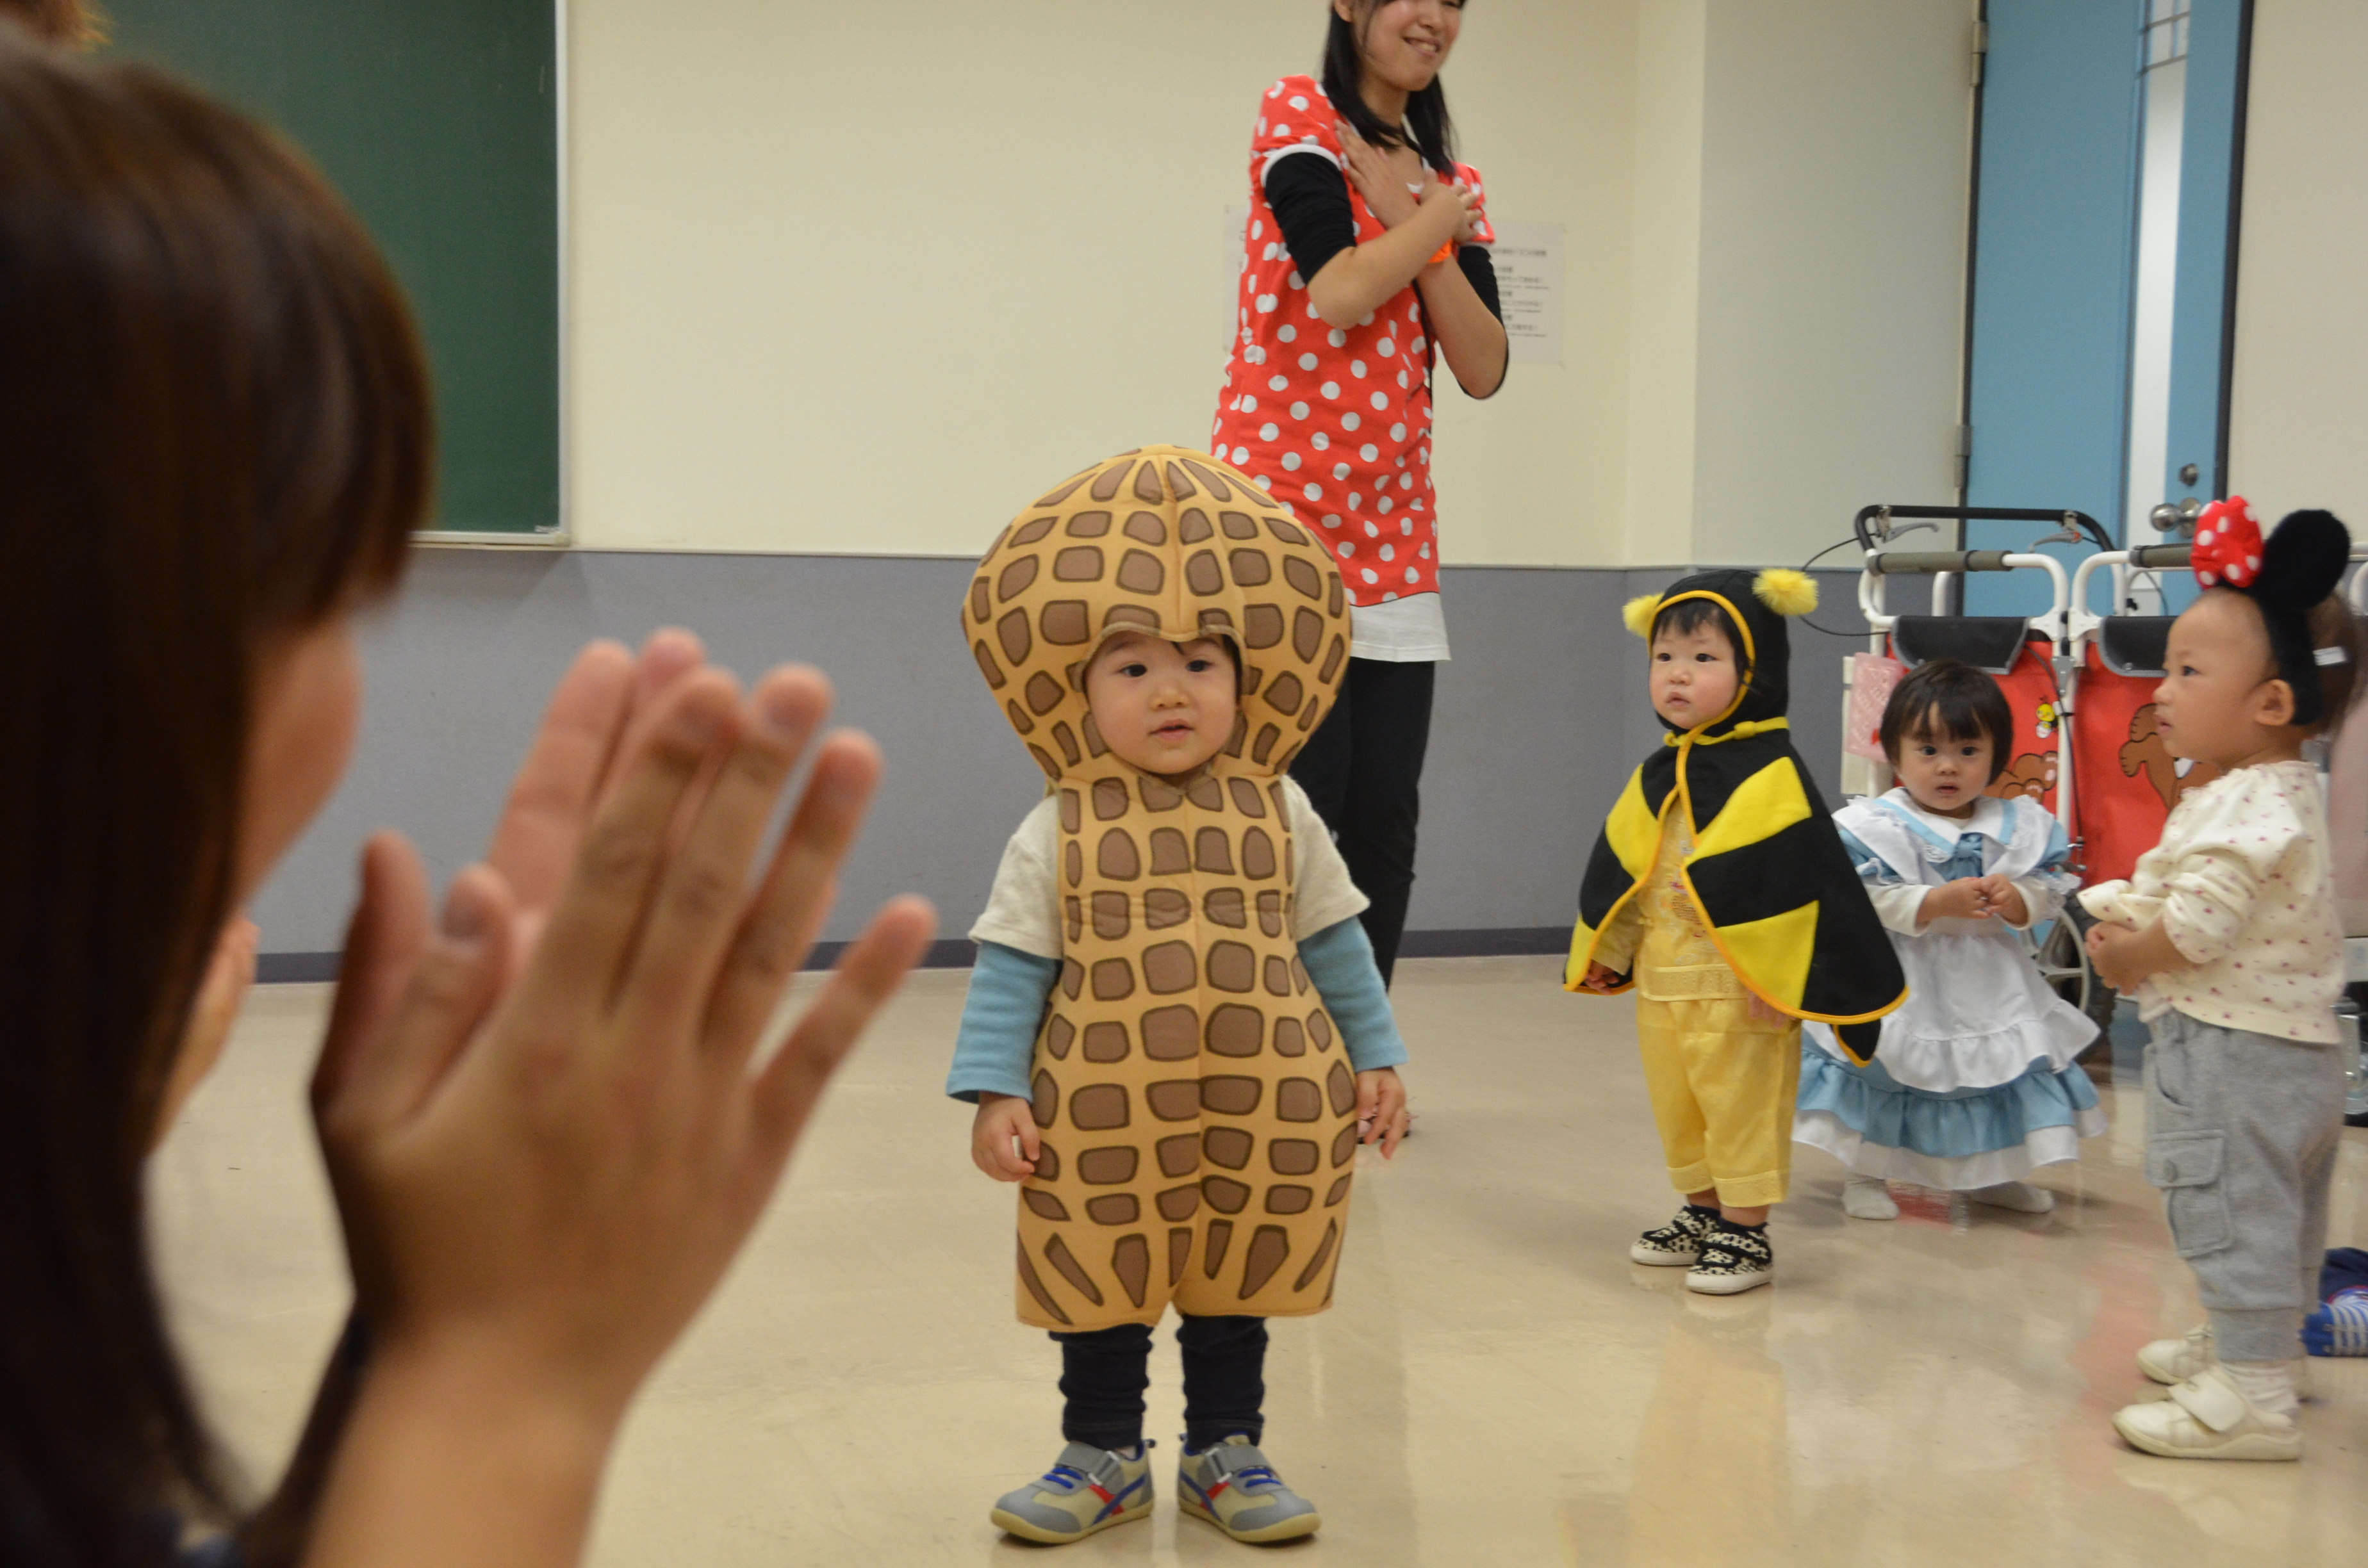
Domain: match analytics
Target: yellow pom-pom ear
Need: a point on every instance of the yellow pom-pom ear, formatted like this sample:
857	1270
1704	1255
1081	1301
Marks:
1638	613
1785	591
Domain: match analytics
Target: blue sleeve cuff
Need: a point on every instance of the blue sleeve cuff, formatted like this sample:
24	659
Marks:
1340	960
998	1037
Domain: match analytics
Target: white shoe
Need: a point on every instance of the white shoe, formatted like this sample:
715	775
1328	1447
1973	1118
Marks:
2176	1360
2018	1195
2207	1417
1867	1198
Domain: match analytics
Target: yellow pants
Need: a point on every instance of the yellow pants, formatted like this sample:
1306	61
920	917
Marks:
1723	1085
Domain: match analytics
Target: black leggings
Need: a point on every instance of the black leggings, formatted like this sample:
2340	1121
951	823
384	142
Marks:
1104	1372
1362	770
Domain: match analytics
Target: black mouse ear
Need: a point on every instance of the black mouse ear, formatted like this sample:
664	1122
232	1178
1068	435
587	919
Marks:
2301	560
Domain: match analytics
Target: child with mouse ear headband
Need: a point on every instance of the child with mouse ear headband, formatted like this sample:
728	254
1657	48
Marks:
2226	934
2288	580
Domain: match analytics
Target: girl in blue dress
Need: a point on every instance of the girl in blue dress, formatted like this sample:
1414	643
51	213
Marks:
1972	1086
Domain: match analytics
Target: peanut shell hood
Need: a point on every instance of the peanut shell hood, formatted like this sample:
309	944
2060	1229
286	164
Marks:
1195	1102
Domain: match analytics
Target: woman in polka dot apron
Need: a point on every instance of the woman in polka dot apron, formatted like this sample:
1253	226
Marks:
1365	262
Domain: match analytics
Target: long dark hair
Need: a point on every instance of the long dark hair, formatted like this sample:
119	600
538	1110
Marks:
1344	78
214	434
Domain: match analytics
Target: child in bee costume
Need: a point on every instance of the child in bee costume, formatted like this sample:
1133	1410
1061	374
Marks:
1721	892
1176	1027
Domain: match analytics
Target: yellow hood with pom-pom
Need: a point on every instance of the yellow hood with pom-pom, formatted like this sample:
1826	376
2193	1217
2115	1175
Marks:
1768	872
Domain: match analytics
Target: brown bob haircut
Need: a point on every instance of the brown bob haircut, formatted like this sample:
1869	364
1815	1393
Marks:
1947	699
214	434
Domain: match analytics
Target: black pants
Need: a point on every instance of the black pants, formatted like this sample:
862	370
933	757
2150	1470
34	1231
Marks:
1104	1372
1363	769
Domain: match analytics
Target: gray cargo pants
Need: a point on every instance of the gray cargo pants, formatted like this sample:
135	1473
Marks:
2241	1136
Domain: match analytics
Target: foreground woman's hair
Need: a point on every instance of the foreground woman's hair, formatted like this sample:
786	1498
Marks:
214	432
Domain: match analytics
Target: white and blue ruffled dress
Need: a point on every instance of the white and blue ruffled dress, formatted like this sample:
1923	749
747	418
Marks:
1973	1082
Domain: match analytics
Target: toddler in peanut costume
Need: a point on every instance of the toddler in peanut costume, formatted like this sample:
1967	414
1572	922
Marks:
1175	1033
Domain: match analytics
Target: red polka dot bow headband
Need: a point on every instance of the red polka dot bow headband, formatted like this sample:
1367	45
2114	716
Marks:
2228	544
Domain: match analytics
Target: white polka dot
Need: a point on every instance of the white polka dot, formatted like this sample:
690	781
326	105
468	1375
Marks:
1263	483
1258	229
1402	377
1269	431
1347	550
1351	419
1418	343
1291	462
1249	403
1365	319
1406	526
1307	361
1389	552
1267	254
1357	368
1380	402
1283	130
1385	348
1373	531
1370	575
1384	505
1315	491
1388	597
1339	471
1286	332
1414	313
1321	441
1276	384
1337	338
1330	388
1397	432
1262	120
1295	281
1253	355
1265	304
1412	575
1405	481
1355	500
1425	552
1299	411
1241	455
1369	452
1297	101
1331	522
1311	313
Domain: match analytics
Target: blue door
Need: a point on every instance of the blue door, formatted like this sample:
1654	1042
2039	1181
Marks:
2101	264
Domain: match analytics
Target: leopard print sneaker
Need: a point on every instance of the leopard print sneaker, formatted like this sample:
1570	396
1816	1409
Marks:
1676	1244
1734	1258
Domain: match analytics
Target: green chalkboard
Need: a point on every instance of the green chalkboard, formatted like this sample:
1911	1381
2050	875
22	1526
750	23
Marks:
439	121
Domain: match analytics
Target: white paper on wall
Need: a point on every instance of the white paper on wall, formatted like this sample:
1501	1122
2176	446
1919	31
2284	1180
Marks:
1528	259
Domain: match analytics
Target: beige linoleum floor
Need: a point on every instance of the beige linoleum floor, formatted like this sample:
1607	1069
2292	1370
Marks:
1497	1384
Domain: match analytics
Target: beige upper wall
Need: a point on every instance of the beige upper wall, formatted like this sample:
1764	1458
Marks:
865	277
1836	154
2299	402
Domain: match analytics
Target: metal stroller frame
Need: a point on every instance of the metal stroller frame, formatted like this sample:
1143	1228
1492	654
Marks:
2063	959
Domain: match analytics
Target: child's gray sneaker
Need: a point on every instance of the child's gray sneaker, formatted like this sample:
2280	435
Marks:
1088	1489
1231	1485
1676	1244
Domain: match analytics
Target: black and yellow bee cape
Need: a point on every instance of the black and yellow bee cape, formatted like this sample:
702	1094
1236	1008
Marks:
1769	873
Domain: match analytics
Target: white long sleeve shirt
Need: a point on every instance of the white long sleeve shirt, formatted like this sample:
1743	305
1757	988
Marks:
2241	882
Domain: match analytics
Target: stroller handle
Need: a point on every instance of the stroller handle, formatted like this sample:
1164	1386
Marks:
1894	563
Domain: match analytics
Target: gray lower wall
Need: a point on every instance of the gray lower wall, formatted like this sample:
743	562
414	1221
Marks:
1540	716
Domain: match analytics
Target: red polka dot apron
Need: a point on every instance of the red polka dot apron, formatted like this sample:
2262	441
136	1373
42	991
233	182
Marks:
1334	422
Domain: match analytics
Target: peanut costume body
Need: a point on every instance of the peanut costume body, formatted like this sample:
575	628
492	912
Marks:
1196	1105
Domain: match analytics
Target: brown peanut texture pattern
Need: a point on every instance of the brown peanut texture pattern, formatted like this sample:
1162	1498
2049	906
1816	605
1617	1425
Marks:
1196	1105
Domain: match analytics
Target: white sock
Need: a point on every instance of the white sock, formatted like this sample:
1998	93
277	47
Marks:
2268	1386
1867	1198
